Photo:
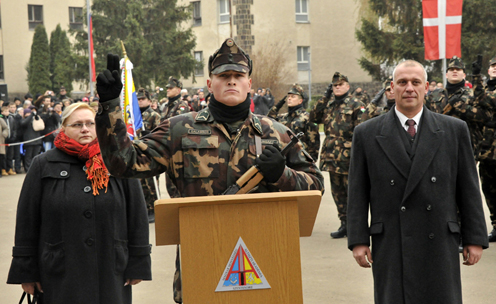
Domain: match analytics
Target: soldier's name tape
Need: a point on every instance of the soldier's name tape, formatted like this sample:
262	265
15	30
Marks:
31	140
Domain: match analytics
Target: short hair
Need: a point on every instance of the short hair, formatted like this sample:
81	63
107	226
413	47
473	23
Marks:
410	62
73	107
5	108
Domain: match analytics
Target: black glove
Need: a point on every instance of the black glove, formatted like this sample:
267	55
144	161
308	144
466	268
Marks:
454	99
378	97
477	66
281	102
328	92
271	163
108	83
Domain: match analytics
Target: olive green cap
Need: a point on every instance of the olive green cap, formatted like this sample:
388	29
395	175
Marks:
230	57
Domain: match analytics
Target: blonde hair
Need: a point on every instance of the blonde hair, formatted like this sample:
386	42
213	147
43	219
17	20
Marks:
73	107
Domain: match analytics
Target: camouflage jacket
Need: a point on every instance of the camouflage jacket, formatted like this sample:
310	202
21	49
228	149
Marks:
175	106
363	96
151	120
460	104
340	120
299	121
487	100
199	154
373	110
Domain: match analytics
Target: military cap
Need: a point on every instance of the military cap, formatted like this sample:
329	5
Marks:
173	82
297	90
142	93
492	61
230	57
338	77
456	62
387	83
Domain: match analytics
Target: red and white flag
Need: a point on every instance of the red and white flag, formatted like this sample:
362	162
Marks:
442	28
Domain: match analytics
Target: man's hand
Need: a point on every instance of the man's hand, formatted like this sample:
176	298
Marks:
477	65
132	282
362	255
328	92
471	254
108	83
378	97
271	163
281	102
30	287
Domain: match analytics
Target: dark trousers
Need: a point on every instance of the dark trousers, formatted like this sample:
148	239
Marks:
2	162
487	173
339	190
13	156
31	152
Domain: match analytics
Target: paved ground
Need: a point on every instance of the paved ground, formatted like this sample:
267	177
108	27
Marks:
330	274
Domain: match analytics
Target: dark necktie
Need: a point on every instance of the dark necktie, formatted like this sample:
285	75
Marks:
411	127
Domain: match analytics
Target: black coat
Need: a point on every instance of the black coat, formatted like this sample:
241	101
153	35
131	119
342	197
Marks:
80	247
28	132
413	205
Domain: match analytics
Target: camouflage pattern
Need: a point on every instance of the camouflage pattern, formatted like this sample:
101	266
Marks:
151	120
456	62
339	119
362	96
299	121
461	104
338	77
229	57
175	106
373	110
296	89
487	173
199	154
173	82
177	282
339	189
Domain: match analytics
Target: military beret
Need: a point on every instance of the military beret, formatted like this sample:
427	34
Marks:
492	61
173	82
296	90
230	57
456	62
338	77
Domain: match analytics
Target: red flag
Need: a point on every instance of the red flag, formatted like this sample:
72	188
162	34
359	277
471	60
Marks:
442	21
92	58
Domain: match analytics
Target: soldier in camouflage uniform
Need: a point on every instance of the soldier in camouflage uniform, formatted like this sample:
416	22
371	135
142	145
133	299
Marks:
151	120
486	94
361	95
340	114
458	101
205	152
373	109
297	119
175	105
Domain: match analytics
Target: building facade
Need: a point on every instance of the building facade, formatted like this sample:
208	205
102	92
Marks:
315	33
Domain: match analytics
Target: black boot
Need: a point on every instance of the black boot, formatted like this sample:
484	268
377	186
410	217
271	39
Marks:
341	232
151	216
492	235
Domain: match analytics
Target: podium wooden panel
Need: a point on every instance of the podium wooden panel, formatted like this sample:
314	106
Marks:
208	229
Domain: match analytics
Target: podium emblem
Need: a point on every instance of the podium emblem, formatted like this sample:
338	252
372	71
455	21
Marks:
242	272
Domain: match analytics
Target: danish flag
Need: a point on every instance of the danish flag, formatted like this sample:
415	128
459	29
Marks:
442	21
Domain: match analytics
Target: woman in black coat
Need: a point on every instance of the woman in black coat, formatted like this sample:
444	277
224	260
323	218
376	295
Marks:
31	147
81	234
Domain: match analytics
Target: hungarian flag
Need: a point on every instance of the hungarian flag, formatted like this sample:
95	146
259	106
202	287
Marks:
92	58
442	21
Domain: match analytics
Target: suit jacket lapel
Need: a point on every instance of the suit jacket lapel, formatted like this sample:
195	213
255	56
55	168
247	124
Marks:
429	141
392	144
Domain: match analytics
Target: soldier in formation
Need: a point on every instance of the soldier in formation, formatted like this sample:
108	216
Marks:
174	105
151	120
298	119
340	113
205	152
373	108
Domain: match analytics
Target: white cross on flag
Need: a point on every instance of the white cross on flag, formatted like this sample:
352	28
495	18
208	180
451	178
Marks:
442	21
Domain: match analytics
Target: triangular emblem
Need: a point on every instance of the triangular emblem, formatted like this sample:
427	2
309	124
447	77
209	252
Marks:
242	272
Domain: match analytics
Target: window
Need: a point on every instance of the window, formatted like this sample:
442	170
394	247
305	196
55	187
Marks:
302	58
76	18
35	15
224	11
199	63
301	10
197	13
1	67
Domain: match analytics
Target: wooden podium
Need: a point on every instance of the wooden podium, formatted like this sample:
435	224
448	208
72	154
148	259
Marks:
208	228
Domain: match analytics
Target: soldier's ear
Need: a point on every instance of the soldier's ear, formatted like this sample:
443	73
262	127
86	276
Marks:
209	85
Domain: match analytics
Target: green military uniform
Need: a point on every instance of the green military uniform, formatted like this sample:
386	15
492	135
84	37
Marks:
151	120
486	95
175	105
458	101
361	95
298	120
340	115
201	155
373	109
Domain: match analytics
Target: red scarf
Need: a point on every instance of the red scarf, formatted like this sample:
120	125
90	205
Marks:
90	153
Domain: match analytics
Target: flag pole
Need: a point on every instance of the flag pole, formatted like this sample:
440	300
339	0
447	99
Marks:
444	72
123	49
89	46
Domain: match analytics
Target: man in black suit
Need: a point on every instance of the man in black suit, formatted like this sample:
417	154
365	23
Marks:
414	169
